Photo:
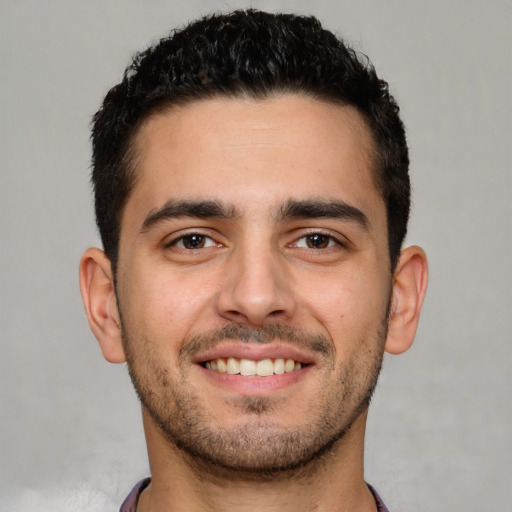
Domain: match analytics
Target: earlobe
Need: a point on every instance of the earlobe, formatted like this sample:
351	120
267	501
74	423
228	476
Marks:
99	297
409	288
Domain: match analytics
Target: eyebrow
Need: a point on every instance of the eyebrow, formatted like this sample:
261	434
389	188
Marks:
319	208
176	209
292	209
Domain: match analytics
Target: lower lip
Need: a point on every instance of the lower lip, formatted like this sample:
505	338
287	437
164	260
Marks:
254	385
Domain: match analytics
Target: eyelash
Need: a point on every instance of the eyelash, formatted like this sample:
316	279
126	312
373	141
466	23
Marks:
179	242
332	241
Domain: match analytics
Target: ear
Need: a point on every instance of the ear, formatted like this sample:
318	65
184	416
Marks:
99	296
409	287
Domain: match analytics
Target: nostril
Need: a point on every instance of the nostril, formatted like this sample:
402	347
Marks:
251	301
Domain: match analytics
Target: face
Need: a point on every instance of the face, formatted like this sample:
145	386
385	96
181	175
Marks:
253	278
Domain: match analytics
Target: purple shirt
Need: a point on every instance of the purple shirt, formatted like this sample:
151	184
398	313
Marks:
130	503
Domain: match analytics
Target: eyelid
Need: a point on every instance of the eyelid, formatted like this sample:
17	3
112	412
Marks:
337	237
208	242
172	240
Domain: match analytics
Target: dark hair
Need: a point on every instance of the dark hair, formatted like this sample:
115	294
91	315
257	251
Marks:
245	53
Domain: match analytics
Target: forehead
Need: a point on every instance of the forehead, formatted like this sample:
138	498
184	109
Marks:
245	152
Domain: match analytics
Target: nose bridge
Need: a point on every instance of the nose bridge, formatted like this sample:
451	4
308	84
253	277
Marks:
256	287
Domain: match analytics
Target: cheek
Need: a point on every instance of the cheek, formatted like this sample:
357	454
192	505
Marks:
161	303
350	304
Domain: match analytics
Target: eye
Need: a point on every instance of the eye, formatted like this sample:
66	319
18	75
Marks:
316	241
193	241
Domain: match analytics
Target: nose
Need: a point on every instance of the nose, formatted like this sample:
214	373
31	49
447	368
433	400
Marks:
257	289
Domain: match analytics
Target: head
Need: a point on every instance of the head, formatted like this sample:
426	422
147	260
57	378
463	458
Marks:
252	194
245	54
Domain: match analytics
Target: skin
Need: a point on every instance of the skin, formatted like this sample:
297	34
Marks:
292	442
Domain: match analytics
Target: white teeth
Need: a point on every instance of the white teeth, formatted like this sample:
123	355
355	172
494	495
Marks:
248	367
279	366
222	366
289	365
265	368
233	366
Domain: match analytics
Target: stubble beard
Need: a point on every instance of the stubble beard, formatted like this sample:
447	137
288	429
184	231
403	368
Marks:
258	448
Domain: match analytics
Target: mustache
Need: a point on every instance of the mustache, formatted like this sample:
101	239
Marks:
272	332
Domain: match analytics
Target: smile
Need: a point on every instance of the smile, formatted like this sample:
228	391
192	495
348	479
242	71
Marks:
249	367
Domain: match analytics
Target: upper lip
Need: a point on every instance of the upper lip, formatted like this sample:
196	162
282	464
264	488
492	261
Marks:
256	352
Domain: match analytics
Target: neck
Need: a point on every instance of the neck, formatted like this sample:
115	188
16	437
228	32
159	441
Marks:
331	482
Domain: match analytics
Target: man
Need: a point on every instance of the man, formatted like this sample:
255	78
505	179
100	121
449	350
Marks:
252	195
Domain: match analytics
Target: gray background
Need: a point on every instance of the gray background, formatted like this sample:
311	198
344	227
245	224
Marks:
439	428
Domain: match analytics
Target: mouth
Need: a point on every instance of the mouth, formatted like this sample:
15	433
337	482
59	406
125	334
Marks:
251	367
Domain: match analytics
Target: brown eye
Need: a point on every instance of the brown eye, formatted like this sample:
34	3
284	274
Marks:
318	241
194	241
